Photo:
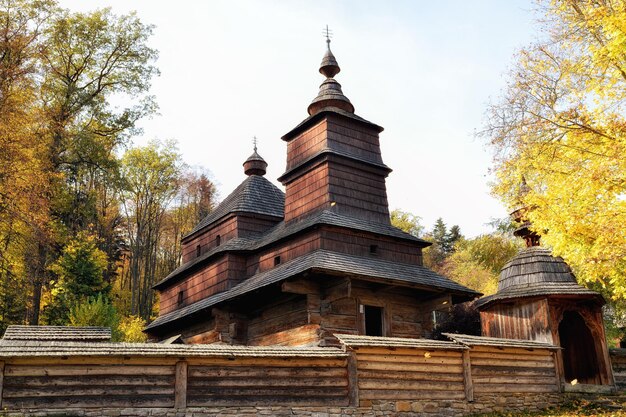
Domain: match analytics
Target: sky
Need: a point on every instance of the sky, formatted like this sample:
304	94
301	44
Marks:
424	70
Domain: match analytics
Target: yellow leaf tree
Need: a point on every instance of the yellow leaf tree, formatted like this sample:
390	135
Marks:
561	125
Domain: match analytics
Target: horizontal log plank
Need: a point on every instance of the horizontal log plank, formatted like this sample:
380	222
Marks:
244	383
511	356
387	366
434	353
507	370
258	401
89	402
510	350
97	360
513	380
386	384
511	363
269	362
89	380
412	375
421	359
518	388
373	394
267	391
82	391
259	372
51	370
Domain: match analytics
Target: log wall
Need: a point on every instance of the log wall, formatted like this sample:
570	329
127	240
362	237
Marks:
438	381
496	370
406	374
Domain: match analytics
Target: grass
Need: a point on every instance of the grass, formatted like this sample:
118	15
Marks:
573	409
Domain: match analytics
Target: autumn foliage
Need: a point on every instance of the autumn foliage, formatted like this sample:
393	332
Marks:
561	125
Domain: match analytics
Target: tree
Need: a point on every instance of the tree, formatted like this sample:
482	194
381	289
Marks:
561	125
80	275
59	133
443	244
476	263
96	311
407	222
151	175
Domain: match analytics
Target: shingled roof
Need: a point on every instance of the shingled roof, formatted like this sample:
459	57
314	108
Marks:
326	261
23	348
470	340
57	333
283	231
255	195
356	341
535	272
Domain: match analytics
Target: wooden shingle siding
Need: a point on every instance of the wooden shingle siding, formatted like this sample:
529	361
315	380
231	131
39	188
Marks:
207	240
287	251
223	274
359	243
307	144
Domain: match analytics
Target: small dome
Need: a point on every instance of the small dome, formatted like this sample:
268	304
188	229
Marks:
534	272
255	165
534	265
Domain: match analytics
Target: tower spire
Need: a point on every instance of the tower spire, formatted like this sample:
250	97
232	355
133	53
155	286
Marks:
330	94
255	164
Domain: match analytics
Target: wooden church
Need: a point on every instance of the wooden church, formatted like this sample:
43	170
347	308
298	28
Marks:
295	268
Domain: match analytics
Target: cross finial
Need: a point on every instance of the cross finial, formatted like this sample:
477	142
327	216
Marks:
328	33
254	141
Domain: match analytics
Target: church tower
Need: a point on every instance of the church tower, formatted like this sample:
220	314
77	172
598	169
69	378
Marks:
333	157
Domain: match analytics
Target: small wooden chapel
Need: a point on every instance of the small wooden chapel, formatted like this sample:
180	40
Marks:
295	268
539	299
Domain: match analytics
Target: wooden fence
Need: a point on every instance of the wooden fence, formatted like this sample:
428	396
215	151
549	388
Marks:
618	359
57	375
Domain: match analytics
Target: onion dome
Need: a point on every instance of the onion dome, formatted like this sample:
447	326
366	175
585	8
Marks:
255	164
330	94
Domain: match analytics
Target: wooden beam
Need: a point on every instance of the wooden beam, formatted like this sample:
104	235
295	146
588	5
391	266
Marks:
353	381
339	291
467	376
1	382
300	287
180	388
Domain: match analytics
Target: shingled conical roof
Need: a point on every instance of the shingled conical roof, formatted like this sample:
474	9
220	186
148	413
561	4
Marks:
330	94
535	272
254	195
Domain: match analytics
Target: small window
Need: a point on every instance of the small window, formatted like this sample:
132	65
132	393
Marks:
198	251
373	248
373	317
180	298
276	260
218	240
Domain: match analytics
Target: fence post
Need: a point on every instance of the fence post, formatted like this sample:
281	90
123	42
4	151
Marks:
467	376
180	387
353	381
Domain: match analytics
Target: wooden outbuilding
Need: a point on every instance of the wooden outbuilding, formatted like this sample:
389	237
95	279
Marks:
539	299
293	268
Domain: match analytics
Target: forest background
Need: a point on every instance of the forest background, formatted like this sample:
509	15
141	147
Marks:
89	223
